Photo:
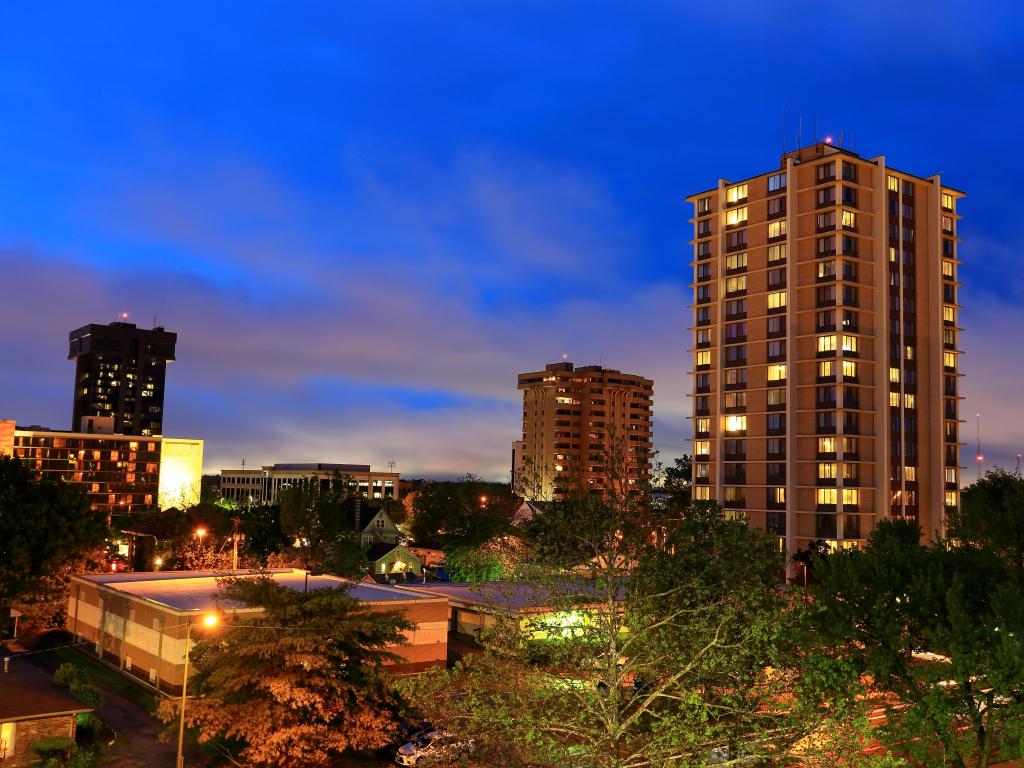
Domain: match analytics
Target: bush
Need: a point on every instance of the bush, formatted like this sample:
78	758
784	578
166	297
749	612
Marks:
74	680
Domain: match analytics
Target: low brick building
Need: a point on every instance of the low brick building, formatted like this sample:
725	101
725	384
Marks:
137	622
32	708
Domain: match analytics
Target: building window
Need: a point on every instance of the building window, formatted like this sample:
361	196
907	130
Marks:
704	358
776	325
894	399
826	220
849	369
776	300
827	470
826	171
851	497
849	344
776	207
736	261
825	496
908	400
826	369
703	425
827	269
827	245
827	343
702	447
776	349
703	205
703	249
736	377
702	493
735	400
735	494
776	182
826	445
947	201
948	269
737	239
736	284
849	171
893	184
736	216
849	220
777	495
776	252
826	196
910	474
948	314
950	473
777	372
735	331
949	360
735	424
776	397
776	229
736	193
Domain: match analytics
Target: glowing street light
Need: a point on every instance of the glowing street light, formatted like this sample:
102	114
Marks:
209	620
200	532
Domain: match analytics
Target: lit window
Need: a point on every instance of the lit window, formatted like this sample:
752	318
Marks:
733	493
947	224
825	495
949	359
950	475
949	314
776	182
894	375
908	400
704	357
777	495
735	194
777	229
894	184
827	343
894	399
910	473
826	369
734	284
702	493
735	423
851	496
849	219
893	257
827	268
827	470
702	470
849	343
703	425
909	353
736	216
736	260
849	369
776	397
701	447
950	498
776	372
703	205
776	252
826	445
947	201
776	299
948	269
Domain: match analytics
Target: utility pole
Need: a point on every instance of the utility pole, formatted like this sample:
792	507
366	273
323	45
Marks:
234	544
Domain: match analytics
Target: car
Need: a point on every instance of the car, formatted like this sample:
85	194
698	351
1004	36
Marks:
432	745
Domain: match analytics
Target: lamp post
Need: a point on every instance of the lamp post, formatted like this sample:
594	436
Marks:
209	620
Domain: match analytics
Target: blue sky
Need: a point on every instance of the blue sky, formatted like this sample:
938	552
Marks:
364	220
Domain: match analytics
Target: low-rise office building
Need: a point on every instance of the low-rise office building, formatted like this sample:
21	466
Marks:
261	486
138	622
119	474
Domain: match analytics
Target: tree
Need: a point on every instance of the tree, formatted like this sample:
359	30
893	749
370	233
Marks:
637	650
678	482
44	526
313	513
934	635
464	513
298	684
991	516
74	680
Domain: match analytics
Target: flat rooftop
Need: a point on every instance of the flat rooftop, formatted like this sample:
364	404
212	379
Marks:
189	591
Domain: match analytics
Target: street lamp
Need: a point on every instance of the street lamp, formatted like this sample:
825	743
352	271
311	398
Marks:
200	532
209	621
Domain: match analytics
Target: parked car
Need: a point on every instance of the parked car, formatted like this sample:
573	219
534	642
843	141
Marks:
432	745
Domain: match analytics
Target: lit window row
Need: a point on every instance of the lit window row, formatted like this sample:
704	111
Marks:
736	193
908	400
827	369
850	496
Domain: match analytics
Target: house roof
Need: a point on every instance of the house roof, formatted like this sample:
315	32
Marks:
366	514
27	694
195	591
383	549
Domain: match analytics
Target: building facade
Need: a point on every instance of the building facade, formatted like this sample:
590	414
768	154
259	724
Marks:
119	474
825	347
138	622
120	370
261	486
584	429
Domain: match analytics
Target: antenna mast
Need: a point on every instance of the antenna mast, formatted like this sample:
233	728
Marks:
981	456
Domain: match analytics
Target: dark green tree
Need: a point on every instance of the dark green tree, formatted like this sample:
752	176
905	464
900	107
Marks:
44	526
298	684
991	516
463	513
678	483
933	635
313	513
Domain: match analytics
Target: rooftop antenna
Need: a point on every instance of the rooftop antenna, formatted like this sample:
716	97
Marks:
391	466
154	321
1018	463
840	138
243	463
800	133
981	456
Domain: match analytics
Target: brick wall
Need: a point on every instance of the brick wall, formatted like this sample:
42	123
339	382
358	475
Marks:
28	731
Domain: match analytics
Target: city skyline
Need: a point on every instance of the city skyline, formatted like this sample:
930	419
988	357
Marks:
360	246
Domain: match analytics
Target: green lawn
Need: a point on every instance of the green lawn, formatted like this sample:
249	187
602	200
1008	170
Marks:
100	674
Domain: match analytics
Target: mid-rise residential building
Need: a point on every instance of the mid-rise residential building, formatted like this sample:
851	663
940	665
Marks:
261	486
119	474
826	359
585	428
119	374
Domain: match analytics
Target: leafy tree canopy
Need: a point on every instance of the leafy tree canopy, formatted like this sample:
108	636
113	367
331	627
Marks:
466	512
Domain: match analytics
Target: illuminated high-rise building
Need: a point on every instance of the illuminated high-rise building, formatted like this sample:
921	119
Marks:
584	429
825	347
119	378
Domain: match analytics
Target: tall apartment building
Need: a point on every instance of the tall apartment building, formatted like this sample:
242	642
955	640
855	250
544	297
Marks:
119	374
825	360
586	427
261	486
